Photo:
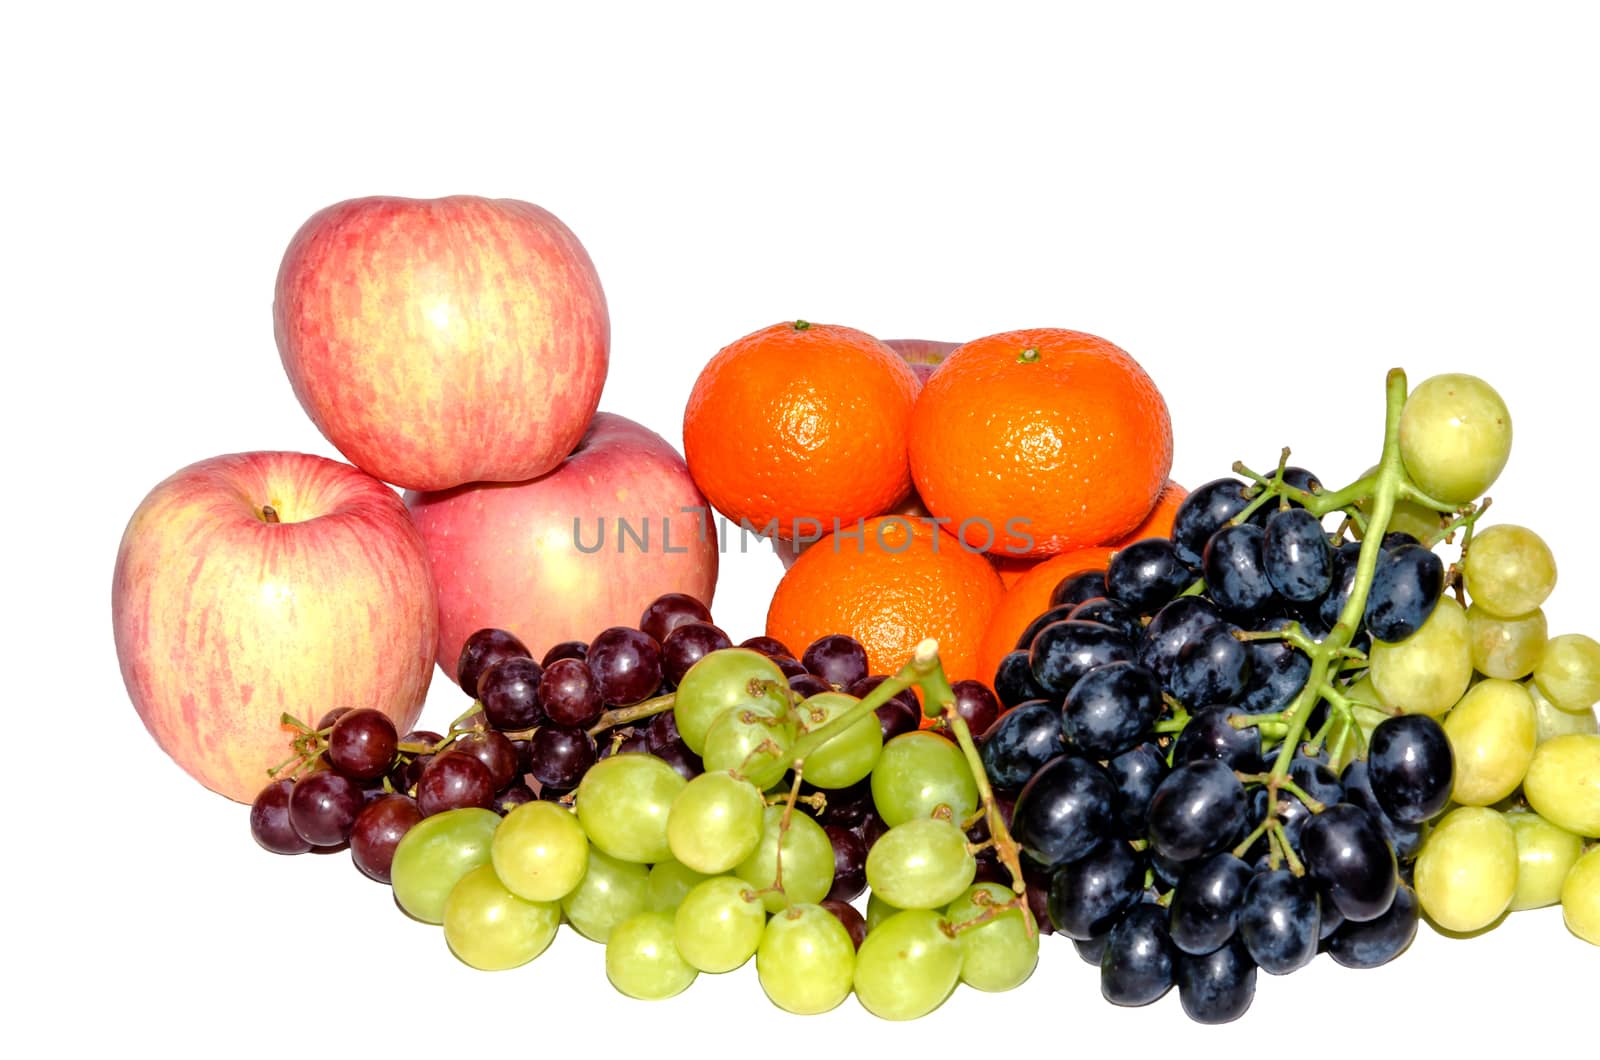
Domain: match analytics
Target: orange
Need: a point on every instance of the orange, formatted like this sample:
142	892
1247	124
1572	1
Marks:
801	422
1041	441
1159	522
1012	568
896	583
1027	600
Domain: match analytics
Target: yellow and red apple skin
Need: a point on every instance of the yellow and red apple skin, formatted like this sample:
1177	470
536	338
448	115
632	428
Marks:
505	555
437	342
225	621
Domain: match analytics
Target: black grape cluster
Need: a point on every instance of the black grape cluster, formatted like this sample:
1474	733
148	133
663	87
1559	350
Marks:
1139	800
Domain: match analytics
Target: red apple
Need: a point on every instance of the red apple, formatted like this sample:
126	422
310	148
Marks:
442	341
529	557
923	355
256	584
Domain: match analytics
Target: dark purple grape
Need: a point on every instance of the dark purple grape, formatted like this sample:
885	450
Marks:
844	807
975	705
1013	680
989	870
323	807
1316	780
901	714
1111	708
496	753
555	795
666	613
1146	575
481	652
1088	896
1344	850
790	667
849	863
1204	512
328	720
1206	901
509	692
1196	811
569	695
685	762
454	779
626	664
1278	921
837	659
1136	774
1212	735
808	685
362	744
512	797
377	832
1064	651
768	646
1076	588
663	730
850	917
1174	626
687	645
1235	571
269	820
1219	986
1020	743
1109	613
567	649
1138	961
559	756
1405	589
422	737
1297	557
1064	812
405	775
1212	670
1375	942
1059	613
1411	766
871	828
1037	879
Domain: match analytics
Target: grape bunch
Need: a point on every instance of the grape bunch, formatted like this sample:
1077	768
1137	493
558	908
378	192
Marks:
737	800
1224	751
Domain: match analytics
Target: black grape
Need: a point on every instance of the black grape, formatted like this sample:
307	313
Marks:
1173	627
1212	669
1137	963
1375	942
1296	555
1111	708
1344	851
1090	895
1020	743
1219	986
1411	766
1064	651
1196	811
1206	901
1064	812
1236	578
1136	773
1013	680
1278	921
1405	589
1147	574
1203	513
1212	735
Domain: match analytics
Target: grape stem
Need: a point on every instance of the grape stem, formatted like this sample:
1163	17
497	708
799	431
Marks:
626	715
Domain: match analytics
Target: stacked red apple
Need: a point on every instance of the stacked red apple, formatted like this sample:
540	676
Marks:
453	347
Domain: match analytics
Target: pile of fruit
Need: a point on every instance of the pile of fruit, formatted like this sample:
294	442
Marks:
1041	688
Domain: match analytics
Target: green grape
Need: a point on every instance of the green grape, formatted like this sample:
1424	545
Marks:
1552	721
1428	671
540	852
668	883
1508	570
610	892
435	854
1580	898
1493	733
715	822
848	756
807	860
718	683
1544	855
492	929
878	910
718	925
1563	783
1508	648
643	961
907	966
1466	872
998	954
623	803
753	742
919	772
806	961
1455	437
920	864
1408	516
1569	671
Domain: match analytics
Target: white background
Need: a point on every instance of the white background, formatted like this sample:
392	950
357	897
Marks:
1267	208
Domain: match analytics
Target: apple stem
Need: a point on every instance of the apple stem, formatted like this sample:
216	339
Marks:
269	514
